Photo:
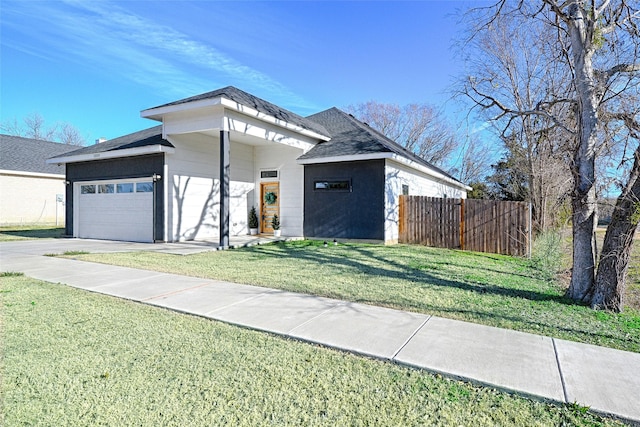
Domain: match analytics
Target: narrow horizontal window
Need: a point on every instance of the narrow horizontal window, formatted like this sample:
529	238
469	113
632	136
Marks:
268	174
332	185
125	188
88	189
105	188
144	187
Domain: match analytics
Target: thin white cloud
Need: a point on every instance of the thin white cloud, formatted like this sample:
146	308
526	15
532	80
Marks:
105	35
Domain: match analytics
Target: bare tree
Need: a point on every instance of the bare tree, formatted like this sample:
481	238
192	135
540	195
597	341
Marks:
420	128
473	162
512	68
36	129
11	127
70	135
597	43
33	126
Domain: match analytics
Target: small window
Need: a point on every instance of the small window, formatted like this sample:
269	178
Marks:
332	185
269	174
405	190
125	188
144	187
105	188
88	189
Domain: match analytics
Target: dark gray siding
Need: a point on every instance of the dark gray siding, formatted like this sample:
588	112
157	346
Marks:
128	167
355	214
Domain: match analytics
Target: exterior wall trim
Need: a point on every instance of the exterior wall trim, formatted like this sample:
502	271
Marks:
430	172
32	174
129	152
338	159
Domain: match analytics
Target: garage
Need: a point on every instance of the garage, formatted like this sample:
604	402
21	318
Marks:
115	210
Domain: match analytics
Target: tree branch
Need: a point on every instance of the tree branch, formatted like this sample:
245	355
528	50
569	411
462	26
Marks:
621	68
493	102
599	10
632	124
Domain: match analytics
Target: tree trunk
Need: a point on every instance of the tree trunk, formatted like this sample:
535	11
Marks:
583	168
610	284
584	222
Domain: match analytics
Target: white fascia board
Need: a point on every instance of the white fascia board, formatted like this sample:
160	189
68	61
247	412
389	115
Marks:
428	171
243	109
157	113
130	152
31	174
351	158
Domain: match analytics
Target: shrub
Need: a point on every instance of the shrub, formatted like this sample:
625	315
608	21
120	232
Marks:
547	253
253	218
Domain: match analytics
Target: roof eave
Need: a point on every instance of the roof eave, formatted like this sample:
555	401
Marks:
346	158
158	113
114	154
250	111
31	174
431	172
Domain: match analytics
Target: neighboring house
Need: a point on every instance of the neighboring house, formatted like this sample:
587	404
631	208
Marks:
326	176
31	190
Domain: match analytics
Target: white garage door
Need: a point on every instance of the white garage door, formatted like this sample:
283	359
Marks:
115	210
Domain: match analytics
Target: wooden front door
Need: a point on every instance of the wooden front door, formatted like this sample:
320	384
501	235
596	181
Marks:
270	196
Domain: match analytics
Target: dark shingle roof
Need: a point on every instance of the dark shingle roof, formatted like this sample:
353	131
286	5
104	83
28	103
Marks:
143	138
350	137
265	107
30	155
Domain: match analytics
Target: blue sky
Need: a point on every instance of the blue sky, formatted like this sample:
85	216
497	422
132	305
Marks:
97	64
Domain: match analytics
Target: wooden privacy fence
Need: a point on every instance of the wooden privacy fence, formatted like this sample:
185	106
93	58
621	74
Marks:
474	225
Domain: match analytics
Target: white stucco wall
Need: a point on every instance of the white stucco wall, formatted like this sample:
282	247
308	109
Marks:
28	199
194	187
420	184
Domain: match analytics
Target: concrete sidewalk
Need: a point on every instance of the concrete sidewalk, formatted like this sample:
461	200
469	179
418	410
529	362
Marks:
606	380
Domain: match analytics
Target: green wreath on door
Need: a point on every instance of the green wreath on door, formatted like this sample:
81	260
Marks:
270	198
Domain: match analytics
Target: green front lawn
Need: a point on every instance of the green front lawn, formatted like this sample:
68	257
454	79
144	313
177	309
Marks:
11	233
71	357
489	289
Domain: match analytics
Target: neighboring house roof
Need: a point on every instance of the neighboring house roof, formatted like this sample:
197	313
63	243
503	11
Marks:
143	138
241	97
351	137
30	155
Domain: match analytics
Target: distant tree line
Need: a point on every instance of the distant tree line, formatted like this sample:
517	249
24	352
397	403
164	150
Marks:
33	126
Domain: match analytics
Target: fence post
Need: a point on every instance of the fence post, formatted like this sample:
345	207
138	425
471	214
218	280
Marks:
530	231
462	230
401	214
